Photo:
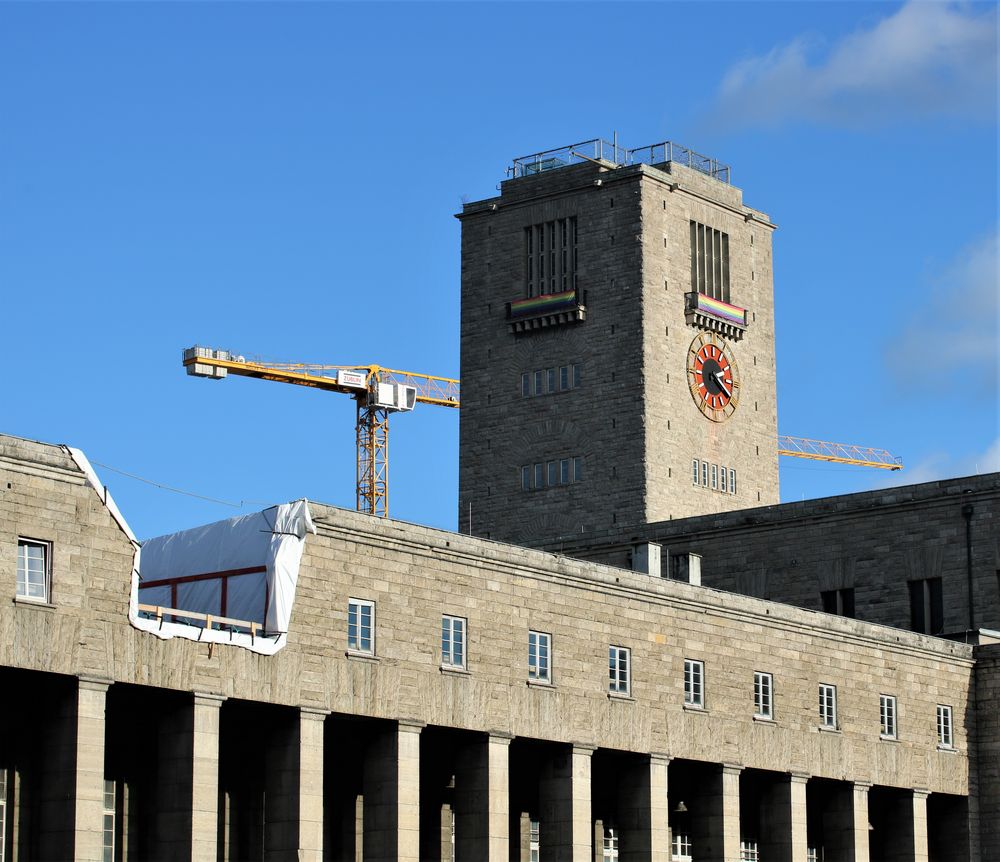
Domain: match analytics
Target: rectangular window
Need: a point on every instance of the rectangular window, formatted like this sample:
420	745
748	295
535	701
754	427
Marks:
704	473
946	738
33	572
539	654
926	606
539	379
576	376
526	478
577	469
539	475
694	471
709	261
828	705
564	377
564	471
452	642
732	481
619	670
535	841
840	602
762	698
109	821
551	375
715	477
3	813
887	715
553	471
723	480
681	850
525	385
749	851
610	853
694	683
361	626
550	251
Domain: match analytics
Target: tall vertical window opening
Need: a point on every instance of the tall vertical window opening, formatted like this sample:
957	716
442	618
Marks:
840	602
619	670
539	645
709	261
926	606
828	705
33	570
534	841
551	257
762	698
946	738
109	821
361	625
887	715
694	683
452	642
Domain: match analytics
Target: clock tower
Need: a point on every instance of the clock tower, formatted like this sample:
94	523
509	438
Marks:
617	345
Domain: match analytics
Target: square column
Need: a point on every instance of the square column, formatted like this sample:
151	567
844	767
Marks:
564	799
785	812
89	790
202	770
481	801
717	833
392	795
644	812
919	825
859	823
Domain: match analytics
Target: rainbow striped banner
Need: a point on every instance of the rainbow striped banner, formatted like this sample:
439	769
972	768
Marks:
543	304
723	310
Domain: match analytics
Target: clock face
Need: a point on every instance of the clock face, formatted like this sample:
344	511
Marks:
713	377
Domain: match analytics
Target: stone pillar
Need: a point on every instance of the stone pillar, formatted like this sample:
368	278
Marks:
392	795
644	812
564	799
919	825
859	826
524	837
784	808
716	833
293	796
89	791
481	800
204	776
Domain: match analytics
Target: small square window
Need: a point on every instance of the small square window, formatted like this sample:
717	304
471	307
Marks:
694	683
619	670
361	626
453	642
33	570
763	703
946	738
828	706
539	657
887	715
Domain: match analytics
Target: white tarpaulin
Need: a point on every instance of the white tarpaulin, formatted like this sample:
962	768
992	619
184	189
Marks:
244	569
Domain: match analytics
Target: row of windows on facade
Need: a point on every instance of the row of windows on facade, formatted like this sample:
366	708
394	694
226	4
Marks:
551	256
547	381
718	477
926	604
561	472
361	639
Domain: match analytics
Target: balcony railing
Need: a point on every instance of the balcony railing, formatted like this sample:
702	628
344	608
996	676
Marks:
706	312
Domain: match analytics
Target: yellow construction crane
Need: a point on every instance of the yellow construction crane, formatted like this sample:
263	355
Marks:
380	391
377	391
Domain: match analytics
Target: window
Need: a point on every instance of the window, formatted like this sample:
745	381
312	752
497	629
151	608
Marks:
539	377
576	376
619	672
525	385
610	853
361	626
563	471
553	471
526	478
887	715
704	473
681	851
539	476
109	821
840	602
946	738
551	257
749	851
539	652
577	469
33	572
709	261
694	471
732	481
828	705
3	813
926	606
694	683
452	642
715	477
534	840
548	381
812	854
723	483
762	697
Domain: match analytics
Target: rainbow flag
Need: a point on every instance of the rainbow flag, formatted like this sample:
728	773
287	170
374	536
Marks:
718	308
543	304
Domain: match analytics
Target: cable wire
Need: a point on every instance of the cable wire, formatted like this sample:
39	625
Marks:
174	490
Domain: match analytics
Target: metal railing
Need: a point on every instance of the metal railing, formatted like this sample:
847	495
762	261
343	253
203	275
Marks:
600	150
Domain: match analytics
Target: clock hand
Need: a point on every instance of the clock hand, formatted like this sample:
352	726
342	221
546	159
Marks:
718	379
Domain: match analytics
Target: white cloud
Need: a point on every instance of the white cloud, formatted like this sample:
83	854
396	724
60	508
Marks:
943	465
926	59
949	343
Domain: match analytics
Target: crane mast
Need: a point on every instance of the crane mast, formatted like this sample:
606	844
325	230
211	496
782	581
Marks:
379	392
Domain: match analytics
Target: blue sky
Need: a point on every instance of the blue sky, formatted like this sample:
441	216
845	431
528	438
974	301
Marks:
280	179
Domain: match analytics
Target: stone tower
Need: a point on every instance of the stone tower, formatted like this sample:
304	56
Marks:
617	345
